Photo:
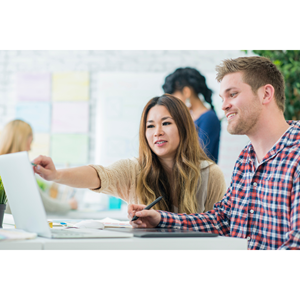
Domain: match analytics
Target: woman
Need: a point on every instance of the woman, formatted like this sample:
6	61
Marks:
17	136
187	84
171	164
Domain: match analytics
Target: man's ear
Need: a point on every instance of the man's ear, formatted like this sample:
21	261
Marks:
187	92
268	92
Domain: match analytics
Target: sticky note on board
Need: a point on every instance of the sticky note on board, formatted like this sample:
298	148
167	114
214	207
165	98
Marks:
70	117
70	86
69	149
40	145
34	87
36	114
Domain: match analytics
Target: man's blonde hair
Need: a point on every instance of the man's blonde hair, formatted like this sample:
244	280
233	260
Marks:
14	137
257	72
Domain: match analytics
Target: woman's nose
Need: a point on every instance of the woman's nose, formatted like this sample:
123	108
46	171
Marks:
158	131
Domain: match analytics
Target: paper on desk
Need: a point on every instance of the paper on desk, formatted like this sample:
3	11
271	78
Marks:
8	219
113	223
15	234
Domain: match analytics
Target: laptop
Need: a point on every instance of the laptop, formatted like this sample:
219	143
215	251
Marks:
163	232
27	206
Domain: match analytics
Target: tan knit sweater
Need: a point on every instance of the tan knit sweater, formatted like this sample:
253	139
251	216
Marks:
120	180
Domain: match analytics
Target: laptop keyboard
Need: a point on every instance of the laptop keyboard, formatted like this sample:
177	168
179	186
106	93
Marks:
63	234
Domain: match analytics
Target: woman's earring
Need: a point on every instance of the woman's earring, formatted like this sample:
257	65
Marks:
188	103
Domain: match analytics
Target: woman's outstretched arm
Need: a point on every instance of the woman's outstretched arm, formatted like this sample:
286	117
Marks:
79	177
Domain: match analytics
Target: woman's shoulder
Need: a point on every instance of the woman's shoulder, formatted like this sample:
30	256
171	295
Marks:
205	164
208	115
129	163
214	169
121	166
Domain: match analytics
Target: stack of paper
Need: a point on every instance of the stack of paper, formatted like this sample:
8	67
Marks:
15	234
112	223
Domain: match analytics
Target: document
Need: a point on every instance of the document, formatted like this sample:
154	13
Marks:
15	234
113	223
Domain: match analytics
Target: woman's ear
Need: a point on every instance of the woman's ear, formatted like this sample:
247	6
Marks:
187	92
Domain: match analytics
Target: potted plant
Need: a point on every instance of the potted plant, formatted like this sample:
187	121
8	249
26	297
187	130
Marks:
3	201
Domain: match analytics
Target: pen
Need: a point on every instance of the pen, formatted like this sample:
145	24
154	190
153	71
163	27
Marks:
148	207
33	164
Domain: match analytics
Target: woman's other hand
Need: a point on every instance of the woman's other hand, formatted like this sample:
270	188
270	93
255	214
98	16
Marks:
147	218
73	203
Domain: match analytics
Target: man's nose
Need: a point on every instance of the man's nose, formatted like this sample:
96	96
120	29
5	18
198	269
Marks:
225	105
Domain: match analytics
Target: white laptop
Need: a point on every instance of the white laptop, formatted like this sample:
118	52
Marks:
26	203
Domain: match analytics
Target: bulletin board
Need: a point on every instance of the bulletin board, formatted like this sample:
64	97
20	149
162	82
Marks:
56	105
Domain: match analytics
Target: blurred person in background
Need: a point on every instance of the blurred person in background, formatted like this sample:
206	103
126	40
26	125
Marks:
188	85
17	136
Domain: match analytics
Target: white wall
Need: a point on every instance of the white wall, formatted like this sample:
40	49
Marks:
12	62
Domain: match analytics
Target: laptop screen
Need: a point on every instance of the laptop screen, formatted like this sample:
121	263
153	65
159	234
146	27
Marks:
23	194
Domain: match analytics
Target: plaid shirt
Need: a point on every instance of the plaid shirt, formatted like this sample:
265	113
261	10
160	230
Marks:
262	205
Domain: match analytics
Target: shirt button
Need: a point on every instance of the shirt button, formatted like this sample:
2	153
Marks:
248	238
254	184
251	211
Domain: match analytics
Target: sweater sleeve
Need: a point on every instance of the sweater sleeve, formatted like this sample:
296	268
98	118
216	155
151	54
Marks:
216	187
119	179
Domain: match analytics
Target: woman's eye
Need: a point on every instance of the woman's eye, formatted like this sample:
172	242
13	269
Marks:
166	123
150	126
233	94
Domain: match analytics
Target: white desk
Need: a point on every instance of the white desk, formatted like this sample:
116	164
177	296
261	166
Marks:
215	243
212	243
34	244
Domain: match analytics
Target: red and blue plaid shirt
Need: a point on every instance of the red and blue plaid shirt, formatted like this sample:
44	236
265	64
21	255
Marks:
261	205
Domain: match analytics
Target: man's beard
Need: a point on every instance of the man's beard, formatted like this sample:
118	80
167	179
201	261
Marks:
243	124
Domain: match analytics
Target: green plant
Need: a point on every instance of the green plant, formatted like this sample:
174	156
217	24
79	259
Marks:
3	197
288	62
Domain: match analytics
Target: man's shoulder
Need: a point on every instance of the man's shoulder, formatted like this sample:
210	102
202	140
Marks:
293	134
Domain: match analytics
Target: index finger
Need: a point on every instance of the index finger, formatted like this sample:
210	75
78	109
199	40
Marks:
135	207
42	160
38	160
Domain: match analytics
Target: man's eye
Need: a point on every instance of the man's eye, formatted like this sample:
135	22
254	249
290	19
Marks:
233	94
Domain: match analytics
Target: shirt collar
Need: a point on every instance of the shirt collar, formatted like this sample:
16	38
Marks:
289	138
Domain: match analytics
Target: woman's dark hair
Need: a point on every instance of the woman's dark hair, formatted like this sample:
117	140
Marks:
190	77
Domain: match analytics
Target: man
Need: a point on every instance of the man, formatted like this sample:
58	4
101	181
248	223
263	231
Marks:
262	203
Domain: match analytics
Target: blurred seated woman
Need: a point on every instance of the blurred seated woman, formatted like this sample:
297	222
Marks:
171	164
188	85
17	136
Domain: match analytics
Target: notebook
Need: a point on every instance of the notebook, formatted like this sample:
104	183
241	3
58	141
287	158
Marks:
27	206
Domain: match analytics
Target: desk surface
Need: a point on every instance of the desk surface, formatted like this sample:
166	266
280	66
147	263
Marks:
196	243
217	243
214	243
